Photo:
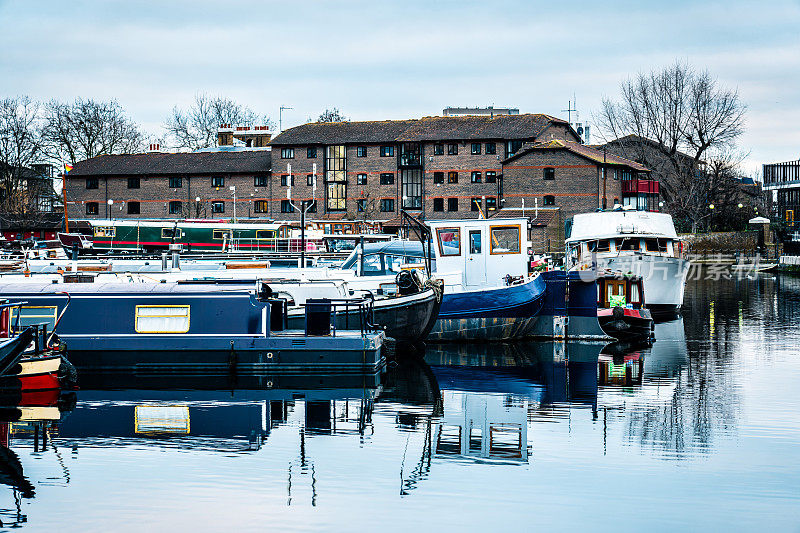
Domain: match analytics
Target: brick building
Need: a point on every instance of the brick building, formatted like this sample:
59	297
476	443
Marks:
165	185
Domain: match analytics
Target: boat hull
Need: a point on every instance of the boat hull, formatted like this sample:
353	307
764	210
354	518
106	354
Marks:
664	278
628	325
498	314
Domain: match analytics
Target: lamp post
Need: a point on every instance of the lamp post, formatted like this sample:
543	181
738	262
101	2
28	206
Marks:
711	219
233	190
197	207
110	202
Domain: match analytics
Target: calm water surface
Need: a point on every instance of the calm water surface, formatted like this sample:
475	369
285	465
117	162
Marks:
700	431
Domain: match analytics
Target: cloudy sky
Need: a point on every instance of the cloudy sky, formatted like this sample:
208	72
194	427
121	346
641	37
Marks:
381	60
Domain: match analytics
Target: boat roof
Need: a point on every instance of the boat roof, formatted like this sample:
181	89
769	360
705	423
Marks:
167	223
107	289
610	224
396	247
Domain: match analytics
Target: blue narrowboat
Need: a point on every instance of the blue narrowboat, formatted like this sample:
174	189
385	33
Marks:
177	327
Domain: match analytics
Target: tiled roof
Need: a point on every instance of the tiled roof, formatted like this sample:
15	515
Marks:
582	150
424	129
180	163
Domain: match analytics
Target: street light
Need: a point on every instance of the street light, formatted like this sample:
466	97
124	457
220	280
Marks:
233	190
740	206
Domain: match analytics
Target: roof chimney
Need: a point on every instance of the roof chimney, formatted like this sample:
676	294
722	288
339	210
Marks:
154	147
225	135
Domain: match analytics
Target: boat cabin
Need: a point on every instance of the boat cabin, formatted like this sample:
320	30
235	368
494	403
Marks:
487	252
620	291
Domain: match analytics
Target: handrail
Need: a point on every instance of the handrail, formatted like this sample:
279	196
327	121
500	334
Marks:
364	306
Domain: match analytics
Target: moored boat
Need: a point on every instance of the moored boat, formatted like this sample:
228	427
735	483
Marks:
621	309
638	242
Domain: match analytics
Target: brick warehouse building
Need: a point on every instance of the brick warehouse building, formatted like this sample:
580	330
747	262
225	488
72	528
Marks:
165	185
434	167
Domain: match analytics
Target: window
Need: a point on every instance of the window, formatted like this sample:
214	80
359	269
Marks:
656	245
162	319
387	151
133	208
475	245
217	207
133	183
630	245
438	177
311	152
452	177
361	151
438	204
336	177
504	239
287	153
452	149
260	206
491	148
170	233
438	149
220	234
260	181
387	178
285	180
34	314
452	204
361	205
411	188
310	180
475	204
361	179
286	206
218	181
476	176
92	183
549	200
265	234
549	173
491	204
387	205
449	240
789	215
105	231
175	207
175	182
512	147
476	149
603	245
491	176
91	208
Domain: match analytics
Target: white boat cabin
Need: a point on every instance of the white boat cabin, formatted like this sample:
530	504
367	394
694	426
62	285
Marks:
615	233
485	251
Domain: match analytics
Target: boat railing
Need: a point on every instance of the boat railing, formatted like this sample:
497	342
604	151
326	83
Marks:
321	315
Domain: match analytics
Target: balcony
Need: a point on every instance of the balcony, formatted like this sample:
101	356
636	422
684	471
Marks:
639	187
409	160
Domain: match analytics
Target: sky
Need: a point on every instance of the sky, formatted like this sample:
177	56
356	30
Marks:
379	60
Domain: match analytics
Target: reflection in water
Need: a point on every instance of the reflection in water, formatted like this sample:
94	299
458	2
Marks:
500	426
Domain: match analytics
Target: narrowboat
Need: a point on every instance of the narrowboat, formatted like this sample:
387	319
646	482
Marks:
638	242
621	309
172	326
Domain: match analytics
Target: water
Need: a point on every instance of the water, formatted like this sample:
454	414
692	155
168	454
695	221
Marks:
537	435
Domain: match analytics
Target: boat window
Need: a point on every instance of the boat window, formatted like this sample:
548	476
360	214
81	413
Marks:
162	319
265	234
169	233
372	265
662	245
475	242
603	245
105	231
34	314
630	245
449	241
394	263
504	239
651	245
220	234
635	293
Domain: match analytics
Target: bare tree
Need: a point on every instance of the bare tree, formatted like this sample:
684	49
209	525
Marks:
25	195
88	128
196	127
671	121
332	115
